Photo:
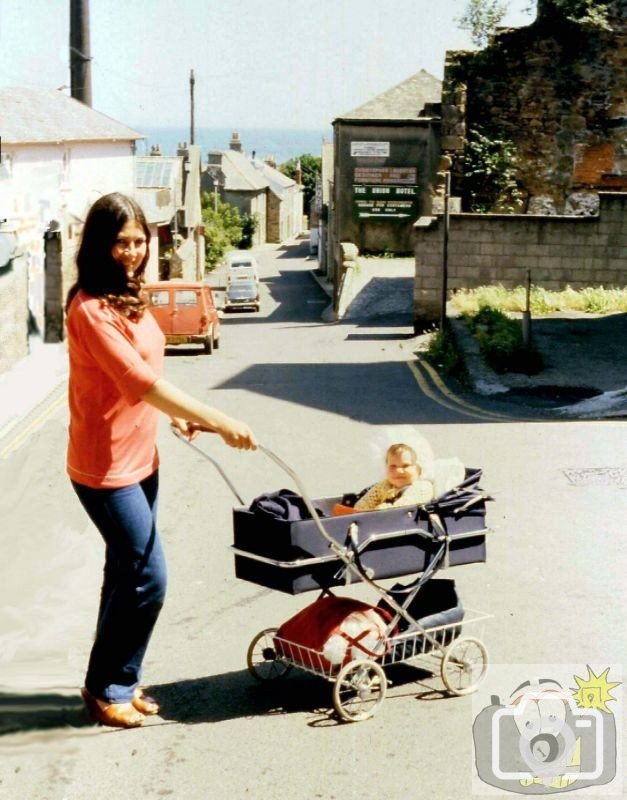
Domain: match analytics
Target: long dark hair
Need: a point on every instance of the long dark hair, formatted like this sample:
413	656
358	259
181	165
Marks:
99	274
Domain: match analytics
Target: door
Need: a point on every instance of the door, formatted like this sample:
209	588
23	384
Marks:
160	309
187	312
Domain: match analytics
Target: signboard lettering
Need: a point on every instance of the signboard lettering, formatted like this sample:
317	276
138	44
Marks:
385	203
370	149
387	175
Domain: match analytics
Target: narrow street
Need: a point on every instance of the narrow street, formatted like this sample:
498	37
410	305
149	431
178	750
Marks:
316	394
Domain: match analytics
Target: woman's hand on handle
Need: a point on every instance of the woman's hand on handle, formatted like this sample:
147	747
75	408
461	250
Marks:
235	433
190	416
188	429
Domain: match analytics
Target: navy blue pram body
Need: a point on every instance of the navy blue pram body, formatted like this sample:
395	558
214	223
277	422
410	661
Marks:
292	556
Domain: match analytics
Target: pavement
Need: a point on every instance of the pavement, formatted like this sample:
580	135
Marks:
31	381
585	356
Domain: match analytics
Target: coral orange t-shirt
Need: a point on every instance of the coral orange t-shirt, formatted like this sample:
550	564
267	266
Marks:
113	363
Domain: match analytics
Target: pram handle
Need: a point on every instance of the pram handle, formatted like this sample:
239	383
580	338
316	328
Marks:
227	480
337	549
349	555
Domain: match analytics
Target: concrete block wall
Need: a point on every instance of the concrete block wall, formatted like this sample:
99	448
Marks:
487	249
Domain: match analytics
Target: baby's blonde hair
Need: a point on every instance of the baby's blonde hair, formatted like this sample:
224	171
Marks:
401	447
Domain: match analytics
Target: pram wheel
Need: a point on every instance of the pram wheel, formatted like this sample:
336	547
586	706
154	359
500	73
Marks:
464	665
359	690
262	660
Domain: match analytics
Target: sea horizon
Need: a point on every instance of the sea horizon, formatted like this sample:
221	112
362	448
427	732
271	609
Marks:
281	144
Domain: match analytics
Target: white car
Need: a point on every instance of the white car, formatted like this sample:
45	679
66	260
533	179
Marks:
241	262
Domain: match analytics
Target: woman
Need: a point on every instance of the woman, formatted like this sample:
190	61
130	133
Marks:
116	393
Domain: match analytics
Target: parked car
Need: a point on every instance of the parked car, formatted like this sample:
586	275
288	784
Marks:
186	312
242	294
240	261
241	274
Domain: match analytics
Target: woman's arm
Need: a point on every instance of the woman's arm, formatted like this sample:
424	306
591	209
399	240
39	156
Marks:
176	403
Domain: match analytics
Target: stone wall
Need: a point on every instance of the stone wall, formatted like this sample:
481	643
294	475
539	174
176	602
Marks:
486	249
556	89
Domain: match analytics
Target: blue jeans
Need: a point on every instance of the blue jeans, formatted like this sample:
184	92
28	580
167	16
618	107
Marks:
133	588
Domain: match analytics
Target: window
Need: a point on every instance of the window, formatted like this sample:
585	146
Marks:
159	298
186	297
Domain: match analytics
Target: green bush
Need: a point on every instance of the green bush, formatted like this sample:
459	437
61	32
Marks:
442	352
250	224
224	229
501	342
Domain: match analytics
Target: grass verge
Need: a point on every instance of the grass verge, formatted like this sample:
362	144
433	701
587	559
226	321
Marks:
593	300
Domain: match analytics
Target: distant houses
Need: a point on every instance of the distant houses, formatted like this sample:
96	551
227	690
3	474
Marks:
256	188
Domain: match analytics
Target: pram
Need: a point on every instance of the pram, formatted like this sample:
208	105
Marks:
422	622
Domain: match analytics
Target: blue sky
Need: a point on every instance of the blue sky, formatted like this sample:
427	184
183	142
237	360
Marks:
257	63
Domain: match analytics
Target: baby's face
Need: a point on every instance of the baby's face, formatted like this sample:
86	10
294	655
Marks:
401	470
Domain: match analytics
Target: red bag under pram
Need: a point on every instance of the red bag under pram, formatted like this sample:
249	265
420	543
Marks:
333	631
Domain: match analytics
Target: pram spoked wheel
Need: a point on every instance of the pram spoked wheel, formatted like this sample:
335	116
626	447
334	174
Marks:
262	659
464	665
359	690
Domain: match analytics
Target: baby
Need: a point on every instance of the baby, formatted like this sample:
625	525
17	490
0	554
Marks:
402	486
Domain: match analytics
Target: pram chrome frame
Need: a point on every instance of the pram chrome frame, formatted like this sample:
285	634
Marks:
359	686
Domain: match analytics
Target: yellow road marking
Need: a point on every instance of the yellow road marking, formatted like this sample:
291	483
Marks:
437	398
33	425
446	391
445	398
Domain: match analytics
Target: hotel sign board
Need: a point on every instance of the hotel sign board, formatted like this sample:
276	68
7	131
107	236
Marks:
384	203
385	194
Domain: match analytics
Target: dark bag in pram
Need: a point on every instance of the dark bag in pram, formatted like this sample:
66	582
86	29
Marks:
436	605
281	505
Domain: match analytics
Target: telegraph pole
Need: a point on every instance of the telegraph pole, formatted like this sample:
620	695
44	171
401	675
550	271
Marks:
445	175
192	81
80	56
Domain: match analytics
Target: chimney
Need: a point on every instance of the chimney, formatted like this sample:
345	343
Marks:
298	173
236	142
80	55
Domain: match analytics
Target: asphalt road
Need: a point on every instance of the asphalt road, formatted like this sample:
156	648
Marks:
317	395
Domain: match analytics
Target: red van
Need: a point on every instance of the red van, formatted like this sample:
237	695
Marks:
186	312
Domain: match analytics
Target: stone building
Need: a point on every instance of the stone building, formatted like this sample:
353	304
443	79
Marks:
230	176
385	157
256	188
556	90
284	218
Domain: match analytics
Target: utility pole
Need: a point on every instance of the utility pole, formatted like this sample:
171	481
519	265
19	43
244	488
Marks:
192	81
444	175
80	56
